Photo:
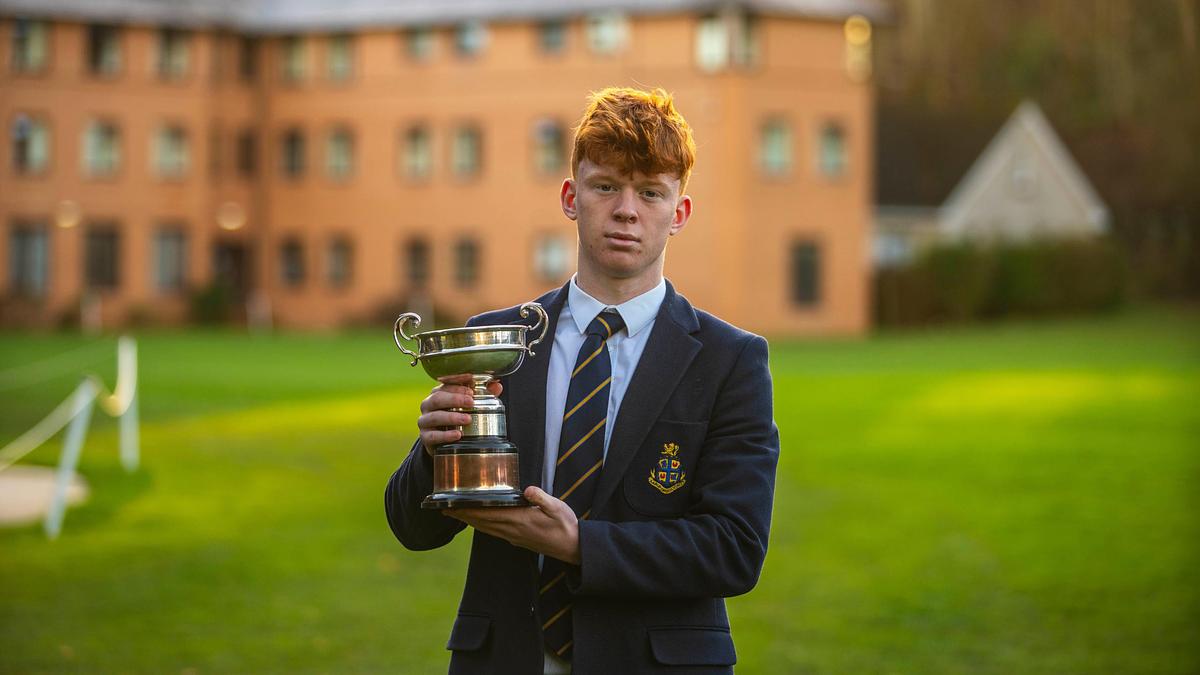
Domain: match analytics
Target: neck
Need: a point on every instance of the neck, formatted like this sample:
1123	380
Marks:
616	291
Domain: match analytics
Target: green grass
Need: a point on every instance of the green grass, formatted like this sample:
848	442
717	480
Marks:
1021	498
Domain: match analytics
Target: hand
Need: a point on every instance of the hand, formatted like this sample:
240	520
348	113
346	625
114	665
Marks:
548	527
455	391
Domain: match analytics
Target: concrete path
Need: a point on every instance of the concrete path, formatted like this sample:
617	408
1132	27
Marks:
26	491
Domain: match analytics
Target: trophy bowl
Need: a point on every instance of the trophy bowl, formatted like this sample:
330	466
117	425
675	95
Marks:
479	469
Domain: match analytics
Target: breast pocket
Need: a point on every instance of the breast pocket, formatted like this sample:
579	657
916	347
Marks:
659	480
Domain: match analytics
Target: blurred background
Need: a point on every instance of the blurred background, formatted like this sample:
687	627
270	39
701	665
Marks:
969	230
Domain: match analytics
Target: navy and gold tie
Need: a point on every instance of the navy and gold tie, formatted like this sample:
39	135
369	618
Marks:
580	458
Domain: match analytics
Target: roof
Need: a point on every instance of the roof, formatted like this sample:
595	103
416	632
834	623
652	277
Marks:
921	154
278	16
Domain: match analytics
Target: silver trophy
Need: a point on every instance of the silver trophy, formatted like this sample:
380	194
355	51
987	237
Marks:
479	469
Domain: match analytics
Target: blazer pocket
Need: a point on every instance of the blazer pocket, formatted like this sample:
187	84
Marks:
658	482
692	646
470	632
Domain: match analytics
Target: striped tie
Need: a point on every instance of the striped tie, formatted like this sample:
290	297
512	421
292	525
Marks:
580	458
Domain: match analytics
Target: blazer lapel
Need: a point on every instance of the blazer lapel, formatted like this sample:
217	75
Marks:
668	353
526	391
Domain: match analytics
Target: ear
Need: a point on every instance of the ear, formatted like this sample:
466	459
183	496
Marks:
683	211
566	197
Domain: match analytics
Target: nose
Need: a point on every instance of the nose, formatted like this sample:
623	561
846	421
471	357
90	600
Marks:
626	208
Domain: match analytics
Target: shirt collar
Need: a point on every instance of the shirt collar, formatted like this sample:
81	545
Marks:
637	312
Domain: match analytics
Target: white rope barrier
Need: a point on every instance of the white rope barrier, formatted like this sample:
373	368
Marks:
75	413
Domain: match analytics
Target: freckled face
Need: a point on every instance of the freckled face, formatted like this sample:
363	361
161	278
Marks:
623	220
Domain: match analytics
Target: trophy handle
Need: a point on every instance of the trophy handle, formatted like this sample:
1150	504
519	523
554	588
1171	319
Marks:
398	332
543	322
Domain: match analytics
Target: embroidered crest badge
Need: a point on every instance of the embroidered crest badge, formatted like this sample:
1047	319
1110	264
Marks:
668	475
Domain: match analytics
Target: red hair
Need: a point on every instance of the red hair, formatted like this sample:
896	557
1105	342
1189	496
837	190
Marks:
634	130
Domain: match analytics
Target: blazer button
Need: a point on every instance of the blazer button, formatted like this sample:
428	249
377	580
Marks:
533	610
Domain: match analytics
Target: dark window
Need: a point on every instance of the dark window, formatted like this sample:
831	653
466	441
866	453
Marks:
466	263
27	259
292	58
170	259
416	263
30	145
293	153
339	154
831	150
247	153
470	38
552	36
549	146
341	263
291	263
102	257
806	273
418	43
417	153
30	45
173	53
103	49
339	65
248	58
465	151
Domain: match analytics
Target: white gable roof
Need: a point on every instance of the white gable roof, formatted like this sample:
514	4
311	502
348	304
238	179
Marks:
1024	184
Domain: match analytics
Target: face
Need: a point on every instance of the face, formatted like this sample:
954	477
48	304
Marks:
623	220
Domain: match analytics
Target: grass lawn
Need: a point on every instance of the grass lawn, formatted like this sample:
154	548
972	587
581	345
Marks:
1022	498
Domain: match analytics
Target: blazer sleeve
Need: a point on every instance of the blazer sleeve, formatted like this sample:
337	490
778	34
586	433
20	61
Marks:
718	547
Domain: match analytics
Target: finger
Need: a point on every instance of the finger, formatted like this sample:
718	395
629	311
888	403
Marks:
436	419
494	387
442	400
461	378
434	437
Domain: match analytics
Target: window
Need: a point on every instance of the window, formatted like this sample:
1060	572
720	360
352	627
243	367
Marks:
470	38
806	274
171	152
292	155
291	263
101	149
416	263
552	36
607	32
418	43
30	145
466	263
291	60
340	64
341	262
101	257
103	50
247	153
831	151
550	258
170	259
339	154
465	152
417	153
30	45
247	58
775	148
549	146
712	43
27	259
172	53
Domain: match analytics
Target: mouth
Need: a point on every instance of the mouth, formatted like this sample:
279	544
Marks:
621	237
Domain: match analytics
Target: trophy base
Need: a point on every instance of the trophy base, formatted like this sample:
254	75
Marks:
449	500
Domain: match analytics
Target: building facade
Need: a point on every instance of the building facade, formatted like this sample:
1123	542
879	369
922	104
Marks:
336	169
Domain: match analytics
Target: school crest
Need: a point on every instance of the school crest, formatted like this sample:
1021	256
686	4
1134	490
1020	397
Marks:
668	475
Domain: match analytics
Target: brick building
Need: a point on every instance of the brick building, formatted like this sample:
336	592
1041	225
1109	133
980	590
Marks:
334	162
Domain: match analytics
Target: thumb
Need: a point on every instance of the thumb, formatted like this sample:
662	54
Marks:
539	498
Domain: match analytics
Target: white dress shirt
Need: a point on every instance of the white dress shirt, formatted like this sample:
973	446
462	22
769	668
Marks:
624	351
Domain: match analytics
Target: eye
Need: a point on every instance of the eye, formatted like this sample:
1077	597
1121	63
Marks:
651	194
605	187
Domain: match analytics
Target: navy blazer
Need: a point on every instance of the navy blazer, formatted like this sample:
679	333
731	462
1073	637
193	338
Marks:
656	562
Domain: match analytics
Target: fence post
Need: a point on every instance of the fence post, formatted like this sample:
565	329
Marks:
85	396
